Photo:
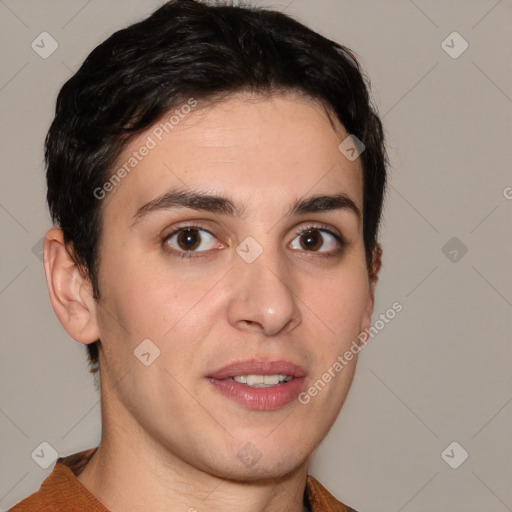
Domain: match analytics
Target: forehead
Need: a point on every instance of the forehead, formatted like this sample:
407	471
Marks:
266	150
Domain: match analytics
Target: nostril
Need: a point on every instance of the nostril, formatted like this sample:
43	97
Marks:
252	323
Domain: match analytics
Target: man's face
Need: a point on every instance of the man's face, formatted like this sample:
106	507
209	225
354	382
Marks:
208	299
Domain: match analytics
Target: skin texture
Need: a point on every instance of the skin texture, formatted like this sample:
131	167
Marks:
170	439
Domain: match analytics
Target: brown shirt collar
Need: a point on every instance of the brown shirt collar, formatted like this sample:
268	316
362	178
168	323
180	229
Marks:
63	491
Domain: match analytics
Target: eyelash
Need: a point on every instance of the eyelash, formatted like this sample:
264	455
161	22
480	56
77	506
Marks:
314	227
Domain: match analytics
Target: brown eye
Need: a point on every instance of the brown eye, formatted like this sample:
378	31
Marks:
317	240
190	239
311	241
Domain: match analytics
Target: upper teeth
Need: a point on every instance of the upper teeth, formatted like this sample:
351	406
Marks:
262	381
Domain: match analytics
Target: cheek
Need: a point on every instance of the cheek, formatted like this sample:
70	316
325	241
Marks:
341	305
144	301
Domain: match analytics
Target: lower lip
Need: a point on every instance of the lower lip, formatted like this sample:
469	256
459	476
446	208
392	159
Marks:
263	399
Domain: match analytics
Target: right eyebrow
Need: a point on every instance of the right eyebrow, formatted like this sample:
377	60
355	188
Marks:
188	199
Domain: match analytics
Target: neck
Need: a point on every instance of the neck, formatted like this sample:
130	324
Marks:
130	472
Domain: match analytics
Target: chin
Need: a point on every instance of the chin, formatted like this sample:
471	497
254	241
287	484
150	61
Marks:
262	471
247	461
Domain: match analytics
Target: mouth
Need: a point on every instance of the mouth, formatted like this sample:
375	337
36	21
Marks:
259	385
262	381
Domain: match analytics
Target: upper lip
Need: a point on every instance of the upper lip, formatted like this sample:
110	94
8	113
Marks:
258	367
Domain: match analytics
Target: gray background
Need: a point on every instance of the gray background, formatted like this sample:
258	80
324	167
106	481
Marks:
437	373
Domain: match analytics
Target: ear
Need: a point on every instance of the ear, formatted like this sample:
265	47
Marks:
373	276
375	267
69	289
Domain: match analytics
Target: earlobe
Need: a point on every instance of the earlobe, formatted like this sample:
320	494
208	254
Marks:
70	291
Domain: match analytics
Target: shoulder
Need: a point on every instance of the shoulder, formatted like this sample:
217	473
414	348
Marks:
34	502
62	490
321	500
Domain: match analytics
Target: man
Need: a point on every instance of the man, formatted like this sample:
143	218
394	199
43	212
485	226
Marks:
216	175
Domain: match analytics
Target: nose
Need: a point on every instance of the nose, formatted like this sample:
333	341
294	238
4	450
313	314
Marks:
262	299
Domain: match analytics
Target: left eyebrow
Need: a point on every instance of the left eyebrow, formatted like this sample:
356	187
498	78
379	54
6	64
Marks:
222	205
323	203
